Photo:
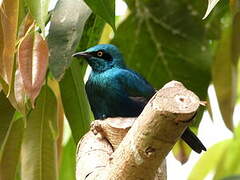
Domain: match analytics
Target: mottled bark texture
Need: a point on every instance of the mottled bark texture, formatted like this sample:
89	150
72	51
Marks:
135	148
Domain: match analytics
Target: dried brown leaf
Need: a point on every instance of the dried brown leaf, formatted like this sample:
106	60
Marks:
1	49
9	21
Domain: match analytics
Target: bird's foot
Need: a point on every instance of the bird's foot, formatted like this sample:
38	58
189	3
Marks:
96	128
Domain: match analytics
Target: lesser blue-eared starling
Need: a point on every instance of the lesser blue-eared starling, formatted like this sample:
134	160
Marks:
113	90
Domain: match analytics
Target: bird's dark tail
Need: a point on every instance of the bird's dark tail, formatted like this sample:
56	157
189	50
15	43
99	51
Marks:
192	140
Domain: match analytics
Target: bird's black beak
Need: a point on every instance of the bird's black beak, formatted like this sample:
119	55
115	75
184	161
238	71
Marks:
82	54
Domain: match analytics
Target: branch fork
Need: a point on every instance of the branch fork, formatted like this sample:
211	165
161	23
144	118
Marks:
135	148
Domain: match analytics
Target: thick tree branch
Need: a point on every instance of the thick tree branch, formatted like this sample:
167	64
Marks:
145	146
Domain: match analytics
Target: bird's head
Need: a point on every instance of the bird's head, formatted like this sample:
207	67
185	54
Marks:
102	57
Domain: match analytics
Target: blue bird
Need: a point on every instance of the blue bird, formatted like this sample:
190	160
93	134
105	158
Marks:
113	90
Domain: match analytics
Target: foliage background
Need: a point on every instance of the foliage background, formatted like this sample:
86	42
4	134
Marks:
40	83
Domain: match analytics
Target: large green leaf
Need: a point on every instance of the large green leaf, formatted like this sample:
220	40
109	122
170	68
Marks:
68	161
63	39
104	9
39	154
6	115
39	10
22	12
238	85
75	102
67	24
165	40
11	150
229	164
74	97
224	69
209	161
92	32
236	177
225	87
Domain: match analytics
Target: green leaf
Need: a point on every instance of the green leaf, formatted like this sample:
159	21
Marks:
238	85
224	70
161	46
75	101
39	11
39	154
225	87
92	33
232	178
66	28
11	150
229	164
22	12
209	160
6	114
68	162
62	45
76	107
235	38
104	9
181	151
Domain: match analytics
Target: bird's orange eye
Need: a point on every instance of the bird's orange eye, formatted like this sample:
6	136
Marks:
99	53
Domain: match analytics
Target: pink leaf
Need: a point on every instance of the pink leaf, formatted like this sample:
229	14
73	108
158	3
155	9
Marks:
33	62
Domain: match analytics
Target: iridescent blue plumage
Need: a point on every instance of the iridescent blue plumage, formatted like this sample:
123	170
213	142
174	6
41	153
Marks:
111	93
114	90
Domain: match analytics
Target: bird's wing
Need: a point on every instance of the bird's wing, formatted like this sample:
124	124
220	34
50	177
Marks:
135	85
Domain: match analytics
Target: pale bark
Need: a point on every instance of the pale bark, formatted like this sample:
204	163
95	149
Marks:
131	149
